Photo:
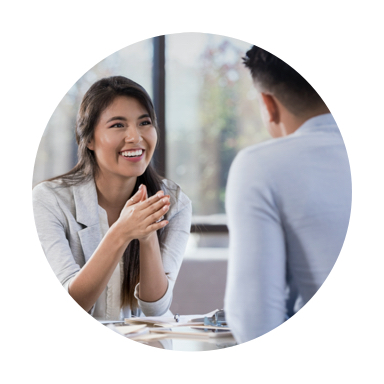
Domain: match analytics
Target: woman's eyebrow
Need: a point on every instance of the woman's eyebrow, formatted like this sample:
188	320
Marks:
124	119
116	118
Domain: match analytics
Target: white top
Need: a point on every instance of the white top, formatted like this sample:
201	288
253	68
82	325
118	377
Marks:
288	203
71	224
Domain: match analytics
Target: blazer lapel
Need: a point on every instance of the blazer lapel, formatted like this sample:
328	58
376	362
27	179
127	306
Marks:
90	238
87	213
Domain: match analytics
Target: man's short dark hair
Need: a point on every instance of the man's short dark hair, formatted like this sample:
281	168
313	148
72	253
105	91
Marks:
274	76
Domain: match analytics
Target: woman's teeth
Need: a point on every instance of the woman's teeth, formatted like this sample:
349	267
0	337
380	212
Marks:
139	152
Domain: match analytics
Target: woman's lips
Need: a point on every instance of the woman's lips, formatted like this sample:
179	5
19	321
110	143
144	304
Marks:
133	159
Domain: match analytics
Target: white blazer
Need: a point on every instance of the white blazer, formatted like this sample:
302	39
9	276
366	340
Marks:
70	225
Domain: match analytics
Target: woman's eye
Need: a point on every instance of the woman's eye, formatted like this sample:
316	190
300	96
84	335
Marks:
117	125
146	123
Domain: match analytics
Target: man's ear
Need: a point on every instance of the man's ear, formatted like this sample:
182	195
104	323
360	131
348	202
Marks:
272	108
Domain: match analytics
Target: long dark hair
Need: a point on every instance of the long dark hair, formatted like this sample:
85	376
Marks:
99	96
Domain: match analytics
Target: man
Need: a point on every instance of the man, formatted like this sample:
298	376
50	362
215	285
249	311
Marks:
288	203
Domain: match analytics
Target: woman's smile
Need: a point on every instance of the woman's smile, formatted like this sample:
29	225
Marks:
133	155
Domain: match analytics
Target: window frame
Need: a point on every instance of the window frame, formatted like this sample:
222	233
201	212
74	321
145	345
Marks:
159	101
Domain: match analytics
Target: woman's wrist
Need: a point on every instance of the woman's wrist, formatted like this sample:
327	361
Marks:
148	239
118	233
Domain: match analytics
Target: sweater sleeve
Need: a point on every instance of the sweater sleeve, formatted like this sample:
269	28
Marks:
255	292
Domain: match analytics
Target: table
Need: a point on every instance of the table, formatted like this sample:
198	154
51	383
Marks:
180	343
191	339
177	332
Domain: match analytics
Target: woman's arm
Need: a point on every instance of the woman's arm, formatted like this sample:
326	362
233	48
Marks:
160	263
137	219
90	281
153	282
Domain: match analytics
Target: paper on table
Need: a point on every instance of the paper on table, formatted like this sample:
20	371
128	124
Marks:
125	329
149	337
175	325
195	335
171	333
129	331
166	320
214	327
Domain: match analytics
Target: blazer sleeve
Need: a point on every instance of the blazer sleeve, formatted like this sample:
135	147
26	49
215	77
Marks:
51	226
172	246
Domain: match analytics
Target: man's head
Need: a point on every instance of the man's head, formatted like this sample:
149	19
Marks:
289	99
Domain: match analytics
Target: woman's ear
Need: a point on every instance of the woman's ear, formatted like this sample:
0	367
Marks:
90	145
271	107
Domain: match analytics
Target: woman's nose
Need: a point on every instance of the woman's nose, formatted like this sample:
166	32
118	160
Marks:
132	135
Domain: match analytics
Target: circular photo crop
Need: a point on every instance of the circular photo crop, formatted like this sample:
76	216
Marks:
192	192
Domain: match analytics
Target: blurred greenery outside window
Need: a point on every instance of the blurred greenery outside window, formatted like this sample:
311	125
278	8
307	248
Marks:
211	114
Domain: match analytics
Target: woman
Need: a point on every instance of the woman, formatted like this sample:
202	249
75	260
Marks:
102	224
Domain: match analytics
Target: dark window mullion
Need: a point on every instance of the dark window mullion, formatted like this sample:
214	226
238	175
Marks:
158	80
209	228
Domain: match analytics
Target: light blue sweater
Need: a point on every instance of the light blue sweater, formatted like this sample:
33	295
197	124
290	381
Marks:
288	204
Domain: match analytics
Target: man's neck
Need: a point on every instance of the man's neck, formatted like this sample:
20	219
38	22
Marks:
291	123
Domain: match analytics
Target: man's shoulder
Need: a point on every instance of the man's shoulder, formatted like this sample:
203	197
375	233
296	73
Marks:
316	131
272	149
291	147
265	147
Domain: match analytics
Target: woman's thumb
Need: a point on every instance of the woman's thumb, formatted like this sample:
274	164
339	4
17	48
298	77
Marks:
136	197
144	193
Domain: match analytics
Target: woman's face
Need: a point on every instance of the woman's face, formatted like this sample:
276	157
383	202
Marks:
124	138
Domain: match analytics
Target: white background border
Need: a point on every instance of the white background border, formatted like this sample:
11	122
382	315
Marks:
335	45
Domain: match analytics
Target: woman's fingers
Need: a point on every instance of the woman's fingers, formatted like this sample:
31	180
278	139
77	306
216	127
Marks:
157	205
144	193
157	215
149	210
159	225
142	215
136	197
153	199
141	196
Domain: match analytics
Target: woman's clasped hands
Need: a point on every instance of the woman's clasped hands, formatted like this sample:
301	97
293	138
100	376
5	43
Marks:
142	216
